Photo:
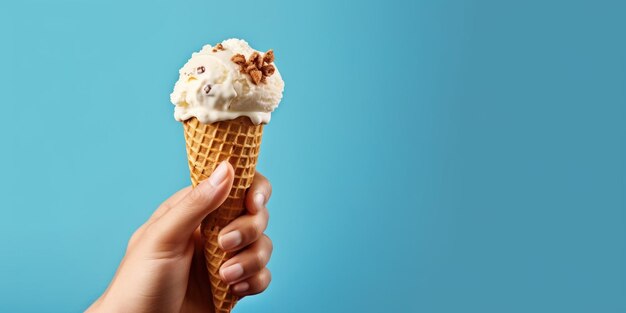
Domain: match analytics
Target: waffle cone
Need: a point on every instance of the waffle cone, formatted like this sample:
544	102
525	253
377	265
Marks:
237	141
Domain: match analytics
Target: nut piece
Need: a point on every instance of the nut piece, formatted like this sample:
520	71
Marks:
250	68
269	56
253	57
256	76
257	66
239	59
268	70
218	47
259	62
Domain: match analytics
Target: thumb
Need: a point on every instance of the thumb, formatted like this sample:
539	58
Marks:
179	222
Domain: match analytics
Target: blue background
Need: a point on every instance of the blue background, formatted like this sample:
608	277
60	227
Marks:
429	156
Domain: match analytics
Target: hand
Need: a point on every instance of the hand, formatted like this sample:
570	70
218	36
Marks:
164	270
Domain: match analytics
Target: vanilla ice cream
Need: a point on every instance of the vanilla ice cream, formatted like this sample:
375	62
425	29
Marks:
228	81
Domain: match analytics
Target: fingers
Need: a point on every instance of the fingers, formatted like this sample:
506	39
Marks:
246	271
259	193
244	230
253	285
181	220
248	228
247	263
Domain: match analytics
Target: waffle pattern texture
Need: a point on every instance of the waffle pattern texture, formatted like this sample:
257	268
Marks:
237	141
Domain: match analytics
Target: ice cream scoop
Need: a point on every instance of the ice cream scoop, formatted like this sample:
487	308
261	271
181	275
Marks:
227	81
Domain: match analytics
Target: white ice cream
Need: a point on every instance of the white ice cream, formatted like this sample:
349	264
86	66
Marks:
212	88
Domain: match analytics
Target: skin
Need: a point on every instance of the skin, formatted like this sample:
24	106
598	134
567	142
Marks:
163	269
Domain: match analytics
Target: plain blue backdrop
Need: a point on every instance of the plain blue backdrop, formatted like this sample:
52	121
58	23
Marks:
428	156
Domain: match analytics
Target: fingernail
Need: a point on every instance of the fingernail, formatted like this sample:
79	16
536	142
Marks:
232	272
219	174
259	200
241	287
230	240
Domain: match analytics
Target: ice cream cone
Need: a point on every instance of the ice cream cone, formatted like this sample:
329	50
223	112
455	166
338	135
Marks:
237	141
224	95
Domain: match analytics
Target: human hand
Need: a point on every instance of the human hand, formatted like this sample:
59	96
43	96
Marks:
164	270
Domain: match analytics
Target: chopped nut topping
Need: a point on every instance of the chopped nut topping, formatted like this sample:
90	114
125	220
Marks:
257	66
206	89
239	59
200	70
268	70
218	47
250	68
269	56
256	76
253	57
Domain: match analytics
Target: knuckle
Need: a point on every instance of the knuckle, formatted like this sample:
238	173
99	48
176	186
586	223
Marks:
257	228
267	278
269	243
264	185
262	281
164	207
146	236
259	260
132	241
265	216
196	196
152	234
149	230
261	288
269	189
